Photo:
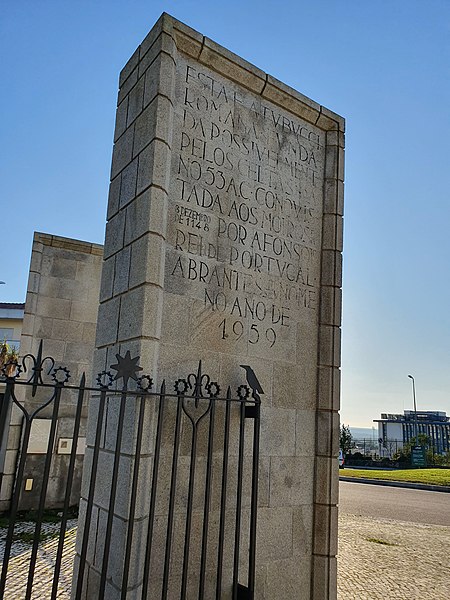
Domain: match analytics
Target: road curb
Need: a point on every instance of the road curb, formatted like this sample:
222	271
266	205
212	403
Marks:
401	484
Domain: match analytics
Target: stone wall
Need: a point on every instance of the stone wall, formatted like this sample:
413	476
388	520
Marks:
62	301
61	310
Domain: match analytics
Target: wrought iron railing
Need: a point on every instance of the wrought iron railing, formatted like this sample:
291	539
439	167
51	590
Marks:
197	424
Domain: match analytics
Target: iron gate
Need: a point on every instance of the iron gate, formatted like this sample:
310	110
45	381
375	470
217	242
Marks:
204	451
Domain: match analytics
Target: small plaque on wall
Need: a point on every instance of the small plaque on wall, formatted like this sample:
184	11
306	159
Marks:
39	436
65	445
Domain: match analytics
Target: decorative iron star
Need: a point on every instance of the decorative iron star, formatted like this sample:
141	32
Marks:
126	367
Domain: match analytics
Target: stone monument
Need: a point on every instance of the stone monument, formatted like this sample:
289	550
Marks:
223	243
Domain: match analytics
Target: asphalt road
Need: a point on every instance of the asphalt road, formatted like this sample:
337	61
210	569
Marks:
400	504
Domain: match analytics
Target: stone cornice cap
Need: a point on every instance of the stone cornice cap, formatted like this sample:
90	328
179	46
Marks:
57	241
232	66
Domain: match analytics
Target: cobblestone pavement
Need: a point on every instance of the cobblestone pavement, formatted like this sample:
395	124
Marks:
381	559
16	582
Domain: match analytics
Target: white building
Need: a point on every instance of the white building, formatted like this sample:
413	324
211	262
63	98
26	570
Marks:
402	428
11	319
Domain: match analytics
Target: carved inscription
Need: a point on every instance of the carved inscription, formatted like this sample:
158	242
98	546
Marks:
245	215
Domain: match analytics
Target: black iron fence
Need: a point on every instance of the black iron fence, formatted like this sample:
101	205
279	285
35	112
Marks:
202	482
373	447
392	453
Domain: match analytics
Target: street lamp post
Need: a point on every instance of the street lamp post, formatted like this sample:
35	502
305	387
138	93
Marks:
415	408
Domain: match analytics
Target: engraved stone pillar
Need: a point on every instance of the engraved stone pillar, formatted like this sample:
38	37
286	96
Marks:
223	243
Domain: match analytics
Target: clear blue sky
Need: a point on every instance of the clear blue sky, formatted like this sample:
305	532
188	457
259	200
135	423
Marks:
383	65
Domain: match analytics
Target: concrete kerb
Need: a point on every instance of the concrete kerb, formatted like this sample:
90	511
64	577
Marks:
401	484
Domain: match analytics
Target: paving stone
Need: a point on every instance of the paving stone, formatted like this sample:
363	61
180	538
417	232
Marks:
411	564
16	582
414	566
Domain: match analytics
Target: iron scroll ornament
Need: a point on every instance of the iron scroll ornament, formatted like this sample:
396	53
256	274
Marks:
196	386
203	389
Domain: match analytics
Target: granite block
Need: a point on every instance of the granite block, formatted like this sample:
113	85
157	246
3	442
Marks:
275	532
325	529
135	101
329	346
329	388
331	306
121	119
332	236
331	268
232	66
153	123
291	481
114	196
108	320
128	85
147	260
140	313
53	307
148	213
334	197
324	581
327	433
123	152
327	480
160	78
164	44
128	184
122	271
129	67
107	278
277	432
115	228
152	170
288	578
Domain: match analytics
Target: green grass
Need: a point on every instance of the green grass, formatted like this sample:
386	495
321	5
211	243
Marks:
49	516
428	476
379	541
28	536
4	522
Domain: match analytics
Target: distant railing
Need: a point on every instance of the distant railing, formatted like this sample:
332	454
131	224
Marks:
373	448
369	449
